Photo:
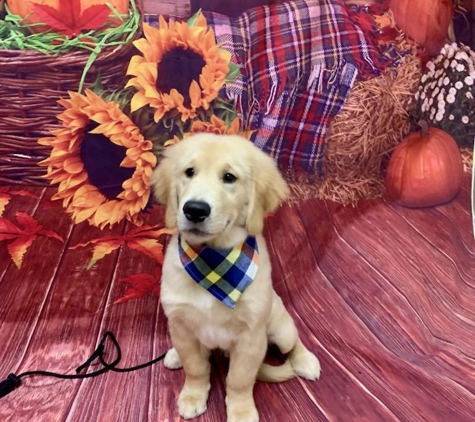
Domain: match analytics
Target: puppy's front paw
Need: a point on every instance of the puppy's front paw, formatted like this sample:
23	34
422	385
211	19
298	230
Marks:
172	360
306	365
243	415
192	404
241	411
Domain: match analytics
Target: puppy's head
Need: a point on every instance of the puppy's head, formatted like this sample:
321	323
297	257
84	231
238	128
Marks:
213	184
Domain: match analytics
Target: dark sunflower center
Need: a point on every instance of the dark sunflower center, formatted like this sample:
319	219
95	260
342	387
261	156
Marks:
178	68
102	160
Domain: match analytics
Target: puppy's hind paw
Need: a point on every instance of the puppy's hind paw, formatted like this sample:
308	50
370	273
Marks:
306	365
172	360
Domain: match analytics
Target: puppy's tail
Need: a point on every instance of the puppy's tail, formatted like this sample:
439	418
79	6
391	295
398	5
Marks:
270	373
301	362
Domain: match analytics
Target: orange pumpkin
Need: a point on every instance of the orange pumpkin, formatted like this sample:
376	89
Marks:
425	169
23	8
425	21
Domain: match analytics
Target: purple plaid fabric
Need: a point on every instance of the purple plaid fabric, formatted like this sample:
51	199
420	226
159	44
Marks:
299	61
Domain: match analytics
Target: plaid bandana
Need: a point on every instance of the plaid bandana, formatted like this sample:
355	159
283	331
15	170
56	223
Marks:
225	273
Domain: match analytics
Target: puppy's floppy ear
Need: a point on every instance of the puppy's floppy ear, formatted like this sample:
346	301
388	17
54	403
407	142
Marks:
164	189
268	190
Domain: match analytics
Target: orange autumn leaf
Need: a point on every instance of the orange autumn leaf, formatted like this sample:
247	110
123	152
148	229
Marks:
102	249
149	247
23	235
6	195
384	21
140	285
18	248
143	239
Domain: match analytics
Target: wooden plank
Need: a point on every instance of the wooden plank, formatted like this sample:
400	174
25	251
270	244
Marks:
175	8
446	236
383	295
64	328
24	291
377	266
417	264
459	213
326	324
133	324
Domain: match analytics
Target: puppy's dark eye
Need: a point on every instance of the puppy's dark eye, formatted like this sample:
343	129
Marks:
189	172
229	178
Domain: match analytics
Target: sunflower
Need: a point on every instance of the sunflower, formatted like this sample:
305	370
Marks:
216	125
101	161
182	68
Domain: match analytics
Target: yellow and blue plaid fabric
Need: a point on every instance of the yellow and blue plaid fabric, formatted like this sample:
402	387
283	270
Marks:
225	273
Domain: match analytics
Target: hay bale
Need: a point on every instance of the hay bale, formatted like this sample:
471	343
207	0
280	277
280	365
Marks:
363	135
467	158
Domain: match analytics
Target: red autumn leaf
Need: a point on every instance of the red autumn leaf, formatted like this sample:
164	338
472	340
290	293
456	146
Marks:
22	235
94	16
67	19
6	195
141	284
30	225
365	21
387	36
143	239
8	230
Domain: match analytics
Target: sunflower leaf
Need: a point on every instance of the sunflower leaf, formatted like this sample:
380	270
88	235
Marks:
191	22
234	72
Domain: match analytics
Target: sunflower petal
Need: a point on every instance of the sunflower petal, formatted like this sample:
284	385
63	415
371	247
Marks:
201	21
134	65
139	100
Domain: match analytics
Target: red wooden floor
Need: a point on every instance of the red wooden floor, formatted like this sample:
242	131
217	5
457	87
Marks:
385	296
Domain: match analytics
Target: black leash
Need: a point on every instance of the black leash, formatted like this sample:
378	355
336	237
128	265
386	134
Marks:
14	381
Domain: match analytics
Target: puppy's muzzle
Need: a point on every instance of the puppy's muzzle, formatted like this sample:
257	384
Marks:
196	211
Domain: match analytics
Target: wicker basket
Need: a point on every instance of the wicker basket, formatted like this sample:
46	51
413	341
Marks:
30	85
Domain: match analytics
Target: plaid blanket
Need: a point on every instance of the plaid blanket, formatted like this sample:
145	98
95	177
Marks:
299	61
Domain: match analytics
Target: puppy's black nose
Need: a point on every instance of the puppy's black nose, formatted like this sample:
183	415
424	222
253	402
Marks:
196	211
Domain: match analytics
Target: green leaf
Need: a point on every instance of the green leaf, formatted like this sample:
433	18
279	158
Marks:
234	72
192	20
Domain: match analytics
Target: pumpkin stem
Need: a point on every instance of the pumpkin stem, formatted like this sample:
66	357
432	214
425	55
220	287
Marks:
424	127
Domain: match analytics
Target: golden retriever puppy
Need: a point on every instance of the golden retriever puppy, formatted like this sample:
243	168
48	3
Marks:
216	286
